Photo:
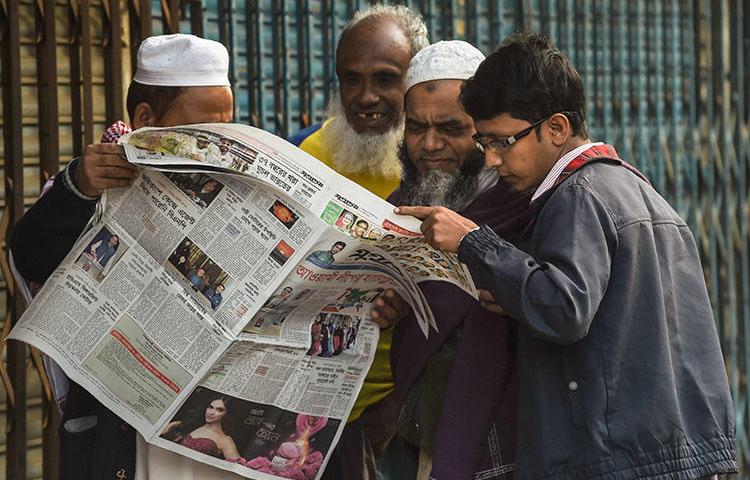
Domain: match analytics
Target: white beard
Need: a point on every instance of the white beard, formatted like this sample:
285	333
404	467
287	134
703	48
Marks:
354	152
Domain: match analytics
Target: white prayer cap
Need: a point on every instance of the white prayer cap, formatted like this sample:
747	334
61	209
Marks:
182	60
445	60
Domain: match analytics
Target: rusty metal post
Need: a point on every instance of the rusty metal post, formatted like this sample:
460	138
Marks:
87	94
46	52
15	466
50	440
113	60
171	15
196	18
74	59
140	27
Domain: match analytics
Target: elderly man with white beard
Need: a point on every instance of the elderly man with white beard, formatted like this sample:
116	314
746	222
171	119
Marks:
457	387
364	123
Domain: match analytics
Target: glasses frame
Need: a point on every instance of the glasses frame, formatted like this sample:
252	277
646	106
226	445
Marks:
502	144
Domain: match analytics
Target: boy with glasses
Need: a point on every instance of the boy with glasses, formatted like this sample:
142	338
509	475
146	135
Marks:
621	372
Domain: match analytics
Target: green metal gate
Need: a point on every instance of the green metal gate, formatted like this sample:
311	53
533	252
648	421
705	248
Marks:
668	84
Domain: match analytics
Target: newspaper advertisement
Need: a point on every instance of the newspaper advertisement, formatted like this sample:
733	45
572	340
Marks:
220	305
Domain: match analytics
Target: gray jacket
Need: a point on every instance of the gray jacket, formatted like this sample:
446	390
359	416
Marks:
621	370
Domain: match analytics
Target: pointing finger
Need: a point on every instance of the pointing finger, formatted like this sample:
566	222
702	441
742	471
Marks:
419	212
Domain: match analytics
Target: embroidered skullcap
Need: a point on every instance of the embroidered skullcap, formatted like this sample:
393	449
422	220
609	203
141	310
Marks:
182	60
445	60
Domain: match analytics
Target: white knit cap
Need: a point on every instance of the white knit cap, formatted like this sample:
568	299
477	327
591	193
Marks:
445	60
182	60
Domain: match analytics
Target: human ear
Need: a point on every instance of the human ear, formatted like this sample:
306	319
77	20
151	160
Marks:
143	116
559	129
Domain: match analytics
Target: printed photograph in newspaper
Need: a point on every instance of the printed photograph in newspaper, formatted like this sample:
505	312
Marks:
199	273
324	258
259	437
201	189
271	315
334	330
101	254
282	252
284	214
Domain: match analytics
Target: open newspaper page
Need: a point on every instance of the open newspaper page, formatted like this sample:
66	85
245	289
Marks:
237	285
337	201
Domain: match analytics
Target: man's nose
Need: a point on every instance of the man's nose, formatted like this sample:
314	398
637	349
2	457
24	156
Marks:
492	159
433	141
368	95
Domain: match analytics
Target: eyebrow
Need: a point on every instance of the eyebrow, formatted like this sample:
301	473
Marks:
451	123
380	70
442	124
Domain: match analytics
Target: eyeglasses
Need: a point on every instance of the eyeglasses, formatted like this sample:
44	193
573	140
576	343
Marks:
502	144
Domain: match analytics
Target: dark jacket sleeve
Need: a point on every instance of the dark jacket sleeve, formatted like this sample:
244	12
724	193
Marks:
48	230
557	291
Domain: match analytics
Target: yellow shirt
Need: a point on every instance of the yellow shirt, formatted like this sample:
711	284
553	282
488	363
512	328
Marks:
379	381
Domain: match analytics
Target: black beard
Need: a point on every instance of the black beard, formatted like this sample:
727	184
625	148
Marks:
438	188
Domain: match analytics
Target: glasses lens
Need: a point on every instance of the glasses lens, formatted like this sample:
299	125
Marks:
499	145
478	143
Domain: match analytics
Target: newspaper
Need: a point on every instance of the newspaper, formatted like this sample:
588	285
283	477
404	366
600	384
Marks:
220	305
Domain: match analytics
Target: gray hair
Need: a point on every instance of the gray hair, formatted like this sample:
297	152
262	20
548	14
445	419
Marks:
409	21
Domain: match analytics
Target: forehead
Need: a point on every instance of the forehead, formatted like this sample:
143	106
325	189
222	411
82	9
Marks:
202	104
372	45
435	101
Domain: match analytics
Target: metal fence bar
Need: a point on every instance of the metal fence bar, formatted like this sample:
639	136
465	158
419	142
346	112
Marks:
602	35
74	59
140	26
329	48
471	22
49	144
16	352
279	68
84	12
227	35
113	60
170	16
197	22
253	81
304	59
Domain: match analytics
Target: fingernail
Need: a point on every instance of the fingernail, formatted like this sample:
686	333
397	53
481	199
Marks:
396	210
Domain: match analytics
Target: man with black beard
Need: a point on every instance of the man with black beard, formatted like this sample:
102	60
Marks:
452	189
458	387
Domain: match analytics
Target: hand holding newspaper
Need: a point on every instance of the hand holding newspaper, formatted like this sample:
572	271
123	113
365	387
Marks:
220	305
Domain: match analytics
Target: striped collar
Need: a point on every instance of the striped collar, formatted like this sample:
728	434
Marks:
559	166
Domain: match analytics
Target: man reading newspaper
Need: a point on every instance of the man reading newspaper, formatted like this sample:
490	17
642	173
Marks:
179	79
218	333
